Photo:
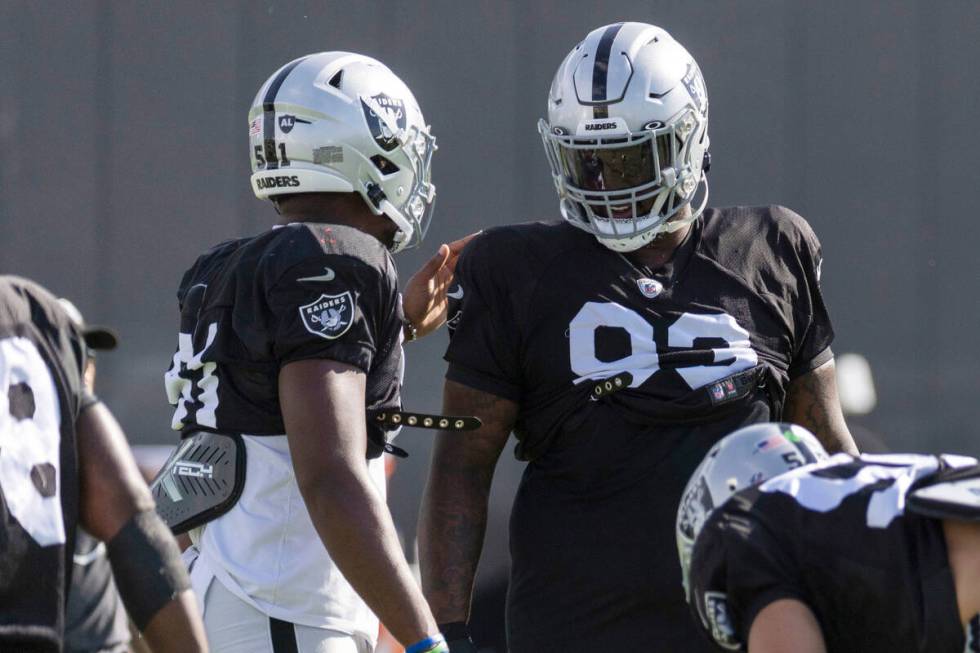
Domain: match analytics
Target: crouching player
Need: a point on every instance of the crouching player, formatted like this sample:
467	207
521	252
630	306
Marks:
784	549
64	462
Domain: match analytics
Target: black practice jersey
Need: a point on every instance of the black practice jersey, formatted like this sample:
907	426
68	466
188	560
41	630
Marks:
301	291
42	357
836	536
542	313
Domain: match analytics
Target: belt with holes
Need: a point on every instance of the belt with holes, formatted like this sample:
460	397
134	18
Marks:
611	385
393	418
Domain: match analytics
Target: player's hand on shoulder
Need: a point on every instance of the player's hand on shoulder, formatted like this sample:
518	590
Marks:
424	297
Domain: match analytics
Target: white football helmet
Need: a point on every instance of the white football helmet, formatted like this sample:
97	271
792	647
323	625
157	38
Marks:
627	134
338	122
745	457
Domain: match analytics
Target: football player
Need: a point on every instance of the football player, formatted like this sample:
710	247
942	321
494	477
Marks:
63	462
95	621
287	340
784	550
619	345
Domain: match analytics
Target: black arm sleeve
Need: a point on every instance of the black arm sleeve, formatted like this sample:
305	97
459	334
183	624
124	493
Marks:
146	566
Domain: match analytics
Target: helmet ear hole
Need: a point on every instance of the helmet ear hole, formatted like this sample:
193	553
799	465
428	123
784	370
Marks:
385	166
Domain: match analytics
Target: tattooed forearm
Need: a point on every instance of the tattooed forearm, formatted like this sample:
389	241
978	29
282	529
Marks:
454	510
812	402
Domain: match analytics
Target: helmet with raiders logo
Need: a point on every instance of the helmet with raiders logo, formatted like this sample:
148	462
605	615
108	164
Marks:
339	122
746	457
627	135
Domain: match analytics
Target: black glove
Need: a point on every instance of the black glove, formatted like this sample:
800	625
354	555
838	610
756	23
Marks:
458	637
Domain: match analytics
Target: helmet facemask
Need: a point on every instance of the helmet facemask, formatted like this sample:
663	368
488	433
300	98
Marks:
628	188
385	192
627	135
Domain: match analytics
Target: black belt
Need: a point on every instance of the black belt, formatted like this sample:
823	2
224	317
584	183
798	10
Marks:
719	392
390	419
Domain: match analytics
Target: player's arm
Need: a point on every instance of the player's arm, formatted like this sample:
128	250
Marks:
812	402
453	517
424	298
322	405
116	507
786	626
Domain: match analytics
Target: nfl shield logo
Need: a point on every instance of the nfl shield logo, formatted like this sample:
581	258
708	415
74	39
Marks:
649	287
717	392
329	316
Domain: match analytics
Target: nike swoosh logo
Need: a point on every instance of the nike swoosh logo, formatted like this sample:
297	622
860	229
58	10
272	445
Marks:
328	275
456	295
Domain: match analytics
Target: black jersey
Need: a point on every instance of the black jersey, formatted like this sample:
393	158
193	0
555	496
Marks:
542	313
301	291
836	536
42	356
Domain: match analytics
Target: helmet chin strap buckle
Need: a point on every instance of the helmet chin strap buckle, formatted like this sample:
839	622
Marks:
376	195
669	176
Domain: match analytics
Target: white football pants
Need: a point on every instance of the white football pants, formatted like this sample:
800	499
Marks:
234	626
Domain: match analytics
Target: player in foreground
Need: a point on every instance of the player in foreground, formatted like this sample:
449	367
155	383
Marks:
287	340
619	346
65	462
95	620
784	550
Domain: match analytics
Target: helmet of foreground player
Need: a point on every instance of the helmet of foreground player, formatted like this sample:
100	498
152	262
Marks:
745	457
338	122
627	135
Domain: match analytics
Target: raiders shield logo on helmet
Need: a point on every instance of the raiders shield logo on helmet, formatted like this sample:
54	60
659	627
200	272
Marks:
694	509
392	114
329	316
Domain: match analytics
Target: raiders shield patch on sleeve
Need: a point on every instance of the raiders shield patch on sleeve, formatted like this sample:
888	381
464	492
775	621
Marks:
722	630
330	316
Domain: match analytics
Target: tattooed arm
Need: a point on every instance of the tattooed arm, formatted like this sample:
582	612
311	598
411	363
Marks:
812	402
454	509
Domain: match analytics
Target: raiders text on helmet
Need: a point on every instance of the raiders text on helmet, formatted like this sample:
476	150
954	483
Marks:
745	457
338	122
627	134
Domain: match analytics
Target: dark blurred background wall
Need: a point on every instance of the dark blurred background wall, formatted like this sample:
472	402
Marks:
123	154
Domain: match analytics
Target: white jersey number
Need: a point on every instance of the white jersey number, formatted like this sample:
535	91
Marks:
30	439
189	374
894	473
644	360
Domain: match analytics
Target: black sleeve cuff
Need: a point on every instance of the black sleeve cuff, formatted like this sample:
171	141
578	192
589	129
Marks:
483	382
361	360
801	368
760	602
87	400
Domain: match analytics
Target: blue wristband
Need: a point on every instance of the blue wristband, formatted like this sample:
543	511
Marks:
427	644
